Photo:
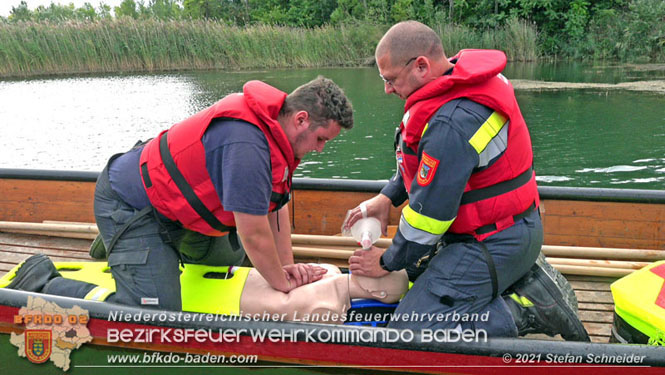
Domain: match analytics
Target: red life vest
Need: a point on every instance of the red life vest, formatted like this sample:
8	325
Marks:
476	76
259	104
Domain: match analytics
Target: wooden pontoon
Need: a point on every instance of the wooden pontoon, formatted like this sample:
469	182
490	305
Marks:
593	236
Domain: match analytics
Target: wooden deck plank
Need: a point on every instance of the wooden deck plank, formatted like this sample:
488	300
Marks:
44	241
594	296
595	241
598	329
17	258
596	316
50	252
539	336
595	306
590	285
5	267
593	279
14	248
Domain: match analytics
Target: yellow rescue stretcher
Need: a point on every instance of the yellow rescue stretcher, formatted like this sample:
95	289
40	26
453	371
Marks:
639	306
204	289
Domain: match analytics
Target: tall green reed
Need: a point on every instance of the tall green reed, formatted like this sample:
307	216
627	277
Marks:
128	45
516	38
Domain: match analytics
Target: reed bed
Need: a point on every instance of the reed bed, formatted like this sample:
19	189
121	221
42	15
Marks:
128	45
518	39
151	45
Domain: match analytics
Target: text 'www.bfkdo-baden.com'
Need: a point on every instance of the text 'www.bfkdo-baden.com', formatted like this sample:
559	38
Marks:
159	358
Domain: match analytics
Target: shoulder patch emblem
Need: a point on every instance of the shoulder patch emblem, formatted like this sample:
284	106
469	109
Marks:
427	169
38	345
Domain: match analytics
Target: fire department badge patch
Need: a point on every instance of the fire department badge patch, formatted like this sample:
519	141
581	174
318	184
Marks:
427	169
37	345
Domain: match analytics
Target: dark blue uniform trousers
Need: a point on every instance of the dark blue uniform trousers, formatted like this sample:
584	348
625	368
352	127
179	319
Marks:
145	259
457	281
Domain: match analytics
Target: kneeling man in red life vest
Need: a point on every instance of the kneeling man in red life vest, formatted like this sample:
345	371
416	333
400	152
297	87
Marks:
471	232
209	190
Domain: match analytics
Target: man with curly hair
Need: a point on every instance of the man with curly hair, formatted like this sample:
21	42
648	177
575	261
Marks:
209	190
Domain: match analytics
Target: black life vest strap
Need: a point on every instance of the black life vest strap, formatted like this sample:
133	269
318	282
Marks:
503	187
184	187
491	266
399	144
280	199
492	227
491	269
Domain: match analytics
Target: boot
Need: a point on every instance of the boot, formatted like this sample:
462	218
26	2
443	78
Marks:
97	248
33	274
540	303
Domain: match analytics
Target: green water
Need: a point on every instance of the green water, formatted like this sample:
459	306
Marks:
582	137
593	139
587	138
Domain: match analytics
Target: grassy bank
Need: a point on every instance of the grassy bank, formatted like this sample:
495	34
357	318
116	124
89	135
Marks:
128	45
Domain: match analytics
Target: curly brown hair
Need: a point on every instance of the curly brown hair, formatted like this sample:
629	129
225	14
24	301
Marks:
323	100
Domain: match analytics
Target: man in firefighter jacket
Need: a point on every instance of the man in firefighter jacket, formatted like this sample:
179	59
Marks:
471	232
189	193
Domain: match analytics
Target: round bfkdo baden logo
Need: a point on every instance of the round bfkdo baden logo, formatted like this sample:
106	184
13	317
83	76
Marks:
38	345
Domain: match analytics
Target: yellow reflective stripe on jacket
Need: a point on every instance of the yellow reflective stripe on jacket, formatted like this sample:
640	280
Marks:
424	130
487	131
421	229
98	293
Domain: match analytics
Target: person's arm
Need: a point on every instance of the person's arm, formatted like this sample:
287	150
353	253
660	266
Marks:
257	239
435	199
281	232
379	206
238	161
260	245
300	273
395	190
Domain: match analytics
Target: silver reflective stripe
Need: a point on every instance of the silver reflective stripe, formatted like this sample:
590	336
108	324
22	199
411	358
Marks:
405	118
416	235
495	147
98	294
